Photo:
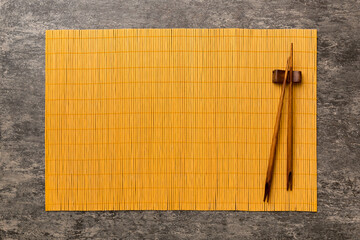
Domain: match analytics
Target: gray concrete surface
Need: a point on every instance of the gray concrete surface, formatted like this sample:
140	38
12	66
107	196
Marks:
22	36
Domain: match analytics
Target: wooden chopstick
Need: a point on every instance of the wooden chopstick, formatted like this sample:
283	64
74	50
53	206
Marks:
290	128
270	169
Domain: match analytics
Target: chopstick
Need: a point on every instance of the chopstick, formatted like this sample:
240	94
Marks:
290	128
270	169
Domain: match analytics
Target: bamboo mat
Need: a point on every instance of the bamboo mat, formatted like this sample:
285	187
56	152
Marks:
175	119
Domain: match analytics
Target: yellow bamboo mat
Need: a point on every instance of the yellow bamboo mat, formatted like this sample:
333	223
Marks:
176	119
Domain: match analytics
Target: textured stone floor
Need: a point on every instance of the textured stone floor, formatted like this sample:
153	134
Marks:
22	64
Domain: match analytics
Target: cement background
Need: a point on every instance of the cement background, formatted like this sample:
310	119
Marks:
22	37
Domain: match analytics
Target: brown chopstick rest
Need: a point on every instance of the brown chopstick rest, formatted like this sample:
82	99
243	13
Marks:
278	76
